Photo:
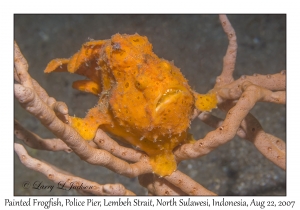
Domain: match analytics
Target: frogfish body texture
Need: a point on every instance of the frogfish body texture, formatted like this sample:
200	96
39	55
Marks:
143	99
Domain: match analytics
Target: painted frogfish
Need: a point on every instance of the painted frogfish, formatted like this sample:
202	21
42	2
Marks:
143	99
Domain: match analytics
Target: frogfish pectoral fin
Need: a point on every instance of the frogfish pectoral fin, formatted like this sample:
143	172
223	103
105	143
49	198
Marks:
88	126
206	102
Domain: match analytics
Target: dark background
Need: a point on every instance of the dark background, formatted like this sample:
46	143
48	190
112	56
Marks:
196	44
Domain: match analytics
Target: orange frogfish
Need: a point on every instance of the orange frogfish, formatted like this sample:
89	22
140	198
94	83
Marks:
143	99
